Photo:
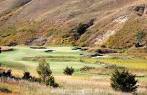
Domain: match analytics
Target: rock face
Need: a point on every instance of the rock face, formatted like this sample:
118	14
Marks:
44	22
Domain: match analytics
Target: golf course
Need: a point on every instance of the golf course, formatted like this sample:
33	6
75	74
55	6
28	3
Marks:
92	74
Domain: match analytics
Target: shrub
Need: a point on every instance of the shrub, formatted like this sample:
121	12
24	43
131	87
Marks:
68	71
138	45
26	76
5	90
82	27
9	73
51	82
34	79
5	73
139	38
87	68
123	81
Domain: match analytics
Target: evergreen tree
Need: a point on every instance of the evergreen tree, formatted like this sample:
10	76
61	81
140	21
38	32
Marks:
124	81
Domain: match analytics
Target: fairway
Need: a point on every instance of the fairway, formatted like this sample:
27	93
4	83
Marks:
26	59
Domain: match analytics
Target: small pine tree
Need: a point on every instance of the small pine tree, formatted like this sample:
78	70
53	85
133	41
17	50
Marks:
68	71
45	74
123	81
44	70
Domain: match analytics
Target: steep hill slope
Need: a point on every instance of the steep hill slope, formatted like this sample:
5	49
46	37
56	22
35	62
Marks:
112	23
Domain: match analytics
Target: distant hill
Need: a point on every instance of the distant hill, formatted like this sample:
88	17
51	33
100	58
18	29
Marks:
105	23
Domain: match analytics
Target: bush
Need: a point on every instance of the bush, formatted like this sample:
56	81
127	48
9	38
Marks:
139	38
9	73
68	71
51	82
5	90
34	79
27	76
137	45
6	73
82	27
123	81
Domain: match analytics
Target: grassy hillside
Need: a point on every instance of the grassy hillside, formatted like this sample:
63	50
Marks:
126	37
56	20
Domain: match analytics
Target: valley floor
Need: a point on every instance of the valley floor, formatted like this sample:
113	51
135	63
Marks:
95	81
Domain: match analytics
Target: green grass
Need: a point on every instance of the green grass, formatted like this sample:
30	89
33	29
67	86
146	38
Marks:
127	61
131	63
26	59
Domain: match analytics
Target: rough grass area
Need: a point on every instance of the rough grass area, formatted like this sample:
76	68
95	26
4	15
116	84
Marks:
24	88
132	63
129	62
68	86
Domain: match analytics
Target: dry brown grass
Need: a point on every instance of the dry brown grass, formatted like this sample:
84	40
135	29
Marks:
69	85
64	15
